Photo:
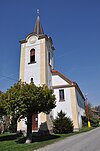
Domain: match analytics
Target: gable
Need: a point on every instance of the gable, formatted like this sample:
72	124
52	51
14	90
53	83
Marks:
60	80
57	80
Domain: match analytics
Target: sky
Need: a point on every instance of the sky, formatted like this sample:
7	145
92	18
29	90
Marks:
74	26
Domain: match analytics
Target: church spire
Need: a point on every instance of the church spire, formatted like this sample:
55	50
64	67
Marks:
38	27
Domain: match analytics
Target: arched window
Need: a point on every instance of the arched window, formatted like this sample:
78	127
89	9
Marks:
32	55
31	80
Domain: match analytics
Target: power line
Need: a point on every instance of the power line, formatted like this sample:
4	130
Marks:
8	77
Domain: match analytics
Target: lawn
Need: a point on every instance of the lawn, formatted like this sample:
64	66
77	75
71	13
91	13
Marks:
13	142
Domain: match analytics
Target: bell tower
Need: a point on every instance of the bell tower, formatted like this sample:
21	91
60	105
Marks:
36	63
36	60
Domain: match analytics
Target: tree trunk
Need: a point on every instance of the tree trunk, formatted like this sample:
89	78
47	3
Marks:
29	129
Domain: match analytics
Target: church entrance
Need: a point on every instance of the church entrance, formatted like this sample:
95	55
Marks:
35	122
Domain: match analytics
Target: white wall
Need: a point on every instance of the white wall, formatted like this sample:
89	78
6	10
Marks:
65	105
57	80
32	70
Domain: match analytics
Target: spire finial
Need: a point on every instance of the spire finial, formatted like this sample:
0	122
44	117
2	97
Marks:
38	11
38	27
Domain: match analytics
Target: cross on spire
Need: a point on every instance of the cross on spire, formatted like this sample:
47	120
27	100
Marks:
38	11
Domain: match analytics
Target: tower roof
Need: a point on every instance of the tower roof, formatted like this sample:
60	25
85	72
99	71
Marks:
38	27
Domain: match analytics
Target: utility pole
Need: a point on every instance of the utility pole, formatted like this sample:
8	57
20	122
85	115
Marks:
87	111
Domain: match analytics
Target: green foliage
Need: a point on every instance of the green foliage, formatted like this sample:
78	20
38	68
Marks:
94	121
13	125
2	104
62	124
23	100
84	121
90	113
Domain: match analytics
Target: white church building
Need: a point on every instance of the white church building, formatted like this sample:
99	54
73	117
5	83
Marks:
37	65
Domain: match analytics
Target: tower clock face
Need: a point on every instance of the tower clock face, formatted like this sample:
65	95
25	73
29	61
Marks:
32	39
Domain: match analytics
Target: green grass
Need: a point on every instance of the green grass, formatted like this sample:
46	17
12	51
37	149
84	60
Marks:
17	144
11	142
86	129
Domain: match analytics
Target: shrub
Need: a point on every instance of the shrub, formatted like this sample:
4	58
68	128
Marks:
94	121
84	121
62	124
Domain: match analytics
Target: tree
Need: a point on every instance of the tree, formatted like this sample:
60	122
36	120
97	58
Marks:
91	116
2	108
24	100
62	124
89	112
98	109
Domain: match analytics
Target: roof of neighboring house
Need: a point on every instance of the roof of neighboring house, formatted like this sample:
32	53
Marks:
94	110
72	83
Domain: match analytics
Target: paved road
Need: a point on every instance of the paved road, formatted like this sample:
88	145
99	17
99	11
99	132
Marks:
89	141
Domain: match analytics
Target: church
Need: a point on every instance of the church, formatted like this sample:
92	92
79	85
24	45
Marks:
37	65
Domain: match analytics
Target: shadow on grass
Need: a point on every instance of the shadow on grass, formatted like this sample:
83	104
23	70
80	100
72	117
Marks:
38	138
9	137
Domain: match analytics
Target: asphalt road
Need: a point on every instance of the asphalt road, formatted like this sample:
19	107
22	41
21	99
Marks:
89	141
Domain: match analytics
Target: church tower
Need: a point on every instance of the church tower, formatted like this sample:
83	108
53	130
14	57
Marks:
36	63
36	60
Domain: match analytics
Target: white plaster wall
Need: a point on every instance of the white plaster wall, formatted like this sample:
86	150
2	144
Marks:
65	105
80	108
57	80
32	70
21	125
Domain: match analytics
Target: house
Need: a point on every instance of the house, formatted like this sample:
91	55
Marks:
95	113
37	64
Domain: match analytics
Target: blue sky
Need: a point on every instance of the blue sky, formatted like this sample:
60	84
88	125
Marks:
74	26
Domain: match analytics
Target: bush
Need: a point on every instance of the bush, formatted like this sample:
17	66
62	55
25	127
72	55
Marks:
94	121
62	124
84	121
